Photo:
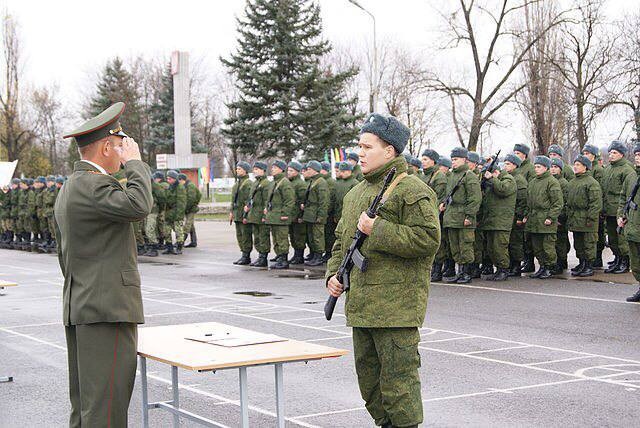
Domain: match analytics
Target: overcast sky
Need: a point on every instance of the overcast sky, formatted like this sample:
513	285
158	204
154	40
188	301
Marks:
68	41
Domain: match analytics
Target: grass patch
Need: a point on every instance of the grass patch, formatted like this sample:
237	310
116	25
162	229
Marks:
215	217
217	197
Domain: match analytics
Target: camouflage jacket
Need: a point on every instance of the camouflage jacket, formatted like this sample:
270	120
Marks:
159	197
544	199
316	207
300	188
193	197
281	201
466	200
239	196
612	182
49	200
393	291
526	170
259	194
176	202
583	204
342	188
498	203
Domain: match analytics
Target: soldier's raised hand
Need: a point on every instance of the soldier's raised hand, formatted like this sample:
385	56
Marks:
129	150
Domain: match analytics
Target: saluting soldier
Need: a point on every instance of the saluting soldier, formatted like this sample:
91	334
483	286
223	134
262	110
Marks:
193	201
593	154
279	212
545	203
240	194
297	229
429	159
516	237
631	223
556	152
562	235
102	303
496	220
330	226
176	197
151	222
315	210
460	216
584	204
254	207
353	158
402	241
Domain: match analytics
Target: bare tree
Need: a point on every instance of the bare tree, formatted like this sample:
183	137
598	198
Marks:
49	117
494	83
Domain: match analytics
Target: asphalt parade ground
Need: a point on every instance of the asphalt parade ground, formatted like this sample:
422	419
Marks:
525	352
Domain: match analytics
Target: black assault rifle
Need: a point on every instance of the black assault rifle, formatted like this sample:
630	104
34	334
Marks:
447	201
354	257
630	204
245	214
490	168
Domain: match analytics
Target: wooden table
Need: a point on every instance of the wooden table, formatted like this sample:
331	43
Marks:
4	284
169	345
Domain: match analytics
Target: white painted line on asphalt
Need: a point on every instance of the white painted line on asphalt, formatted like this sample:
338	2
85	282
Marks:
162	314
582	357
35	339
484	351
28	269
327	338
34	325
448	339
304	319
537	293
59	283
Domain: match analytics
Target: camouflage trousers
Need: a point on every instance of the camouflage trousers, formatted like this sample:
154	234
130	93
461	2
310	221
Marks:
562	243
585	244
280	237
189	219
544	248
387	362
516	243
315	237
444	252
496	247
261	240
244	237
634	258
461	243
138	230
43	224
176	227
479	241
330	234
298	235
151	228
617	242
51	225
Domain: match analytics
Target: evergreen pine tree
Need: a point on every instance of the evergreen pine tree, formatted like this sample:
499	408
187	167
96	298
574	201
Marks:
283	95
161	139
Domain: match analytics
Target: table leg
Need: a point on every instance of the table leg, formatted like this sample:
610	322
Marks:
244	403
145	392
176	395
279	395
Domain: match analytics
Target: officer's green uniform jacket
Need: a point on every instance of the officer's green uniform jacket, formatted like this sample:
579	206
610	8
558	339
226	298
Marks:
260	192
97	254
176	202
544	199
281	201
632	227
357	173
159	197
612	184
342	188
527	170
584	203
239	197
393	291
299	188
521	197
316	208
193	198
466	200
498	203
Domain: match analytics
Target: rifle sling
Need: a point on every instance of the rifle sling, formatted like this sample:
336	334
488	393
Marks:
392	186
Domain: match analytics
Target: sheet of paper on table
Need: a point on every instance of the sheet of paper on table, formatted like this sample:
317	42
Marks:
233	339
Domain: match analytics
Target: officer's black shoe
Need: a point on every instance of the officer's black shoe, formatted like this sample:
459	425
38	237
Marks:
537	273
514	269
578	268
528	266
635	298
501	275
152	251
465	277
261	261
281	262
194	239
623	266
436	272
315	261
614	266
297	258
170	250
587	270
243	260
487	272
546	273
598	263
449	268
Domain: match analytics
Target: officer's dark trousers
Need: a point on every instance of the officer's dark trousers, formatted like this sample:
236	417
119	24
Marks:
102	371
387	362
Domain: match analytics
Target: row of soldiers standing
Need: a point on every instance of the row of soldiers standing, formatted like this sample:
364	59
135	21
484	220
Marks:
300	207
26	214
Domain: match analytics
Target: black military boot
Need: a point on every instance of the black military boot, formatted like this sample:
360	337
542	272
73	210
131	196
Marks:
615	261
316	260
563	263
436	272
326	257
141	250
465	276
281	262
635	298
297	258
578	268
537	273
587	270
152	251
475	270
501	275
528	266
597	264
613	265
261	261
487	272
557	269
243	260
449	269
308	256
170	249
274	259
193	243
623	266
456	275
547	272
179	248
514	269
